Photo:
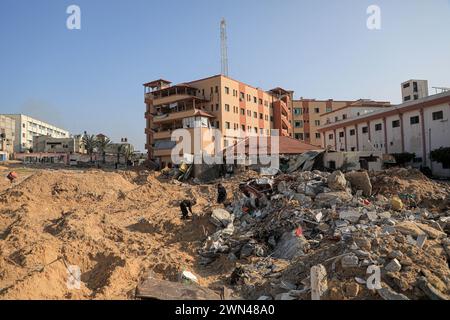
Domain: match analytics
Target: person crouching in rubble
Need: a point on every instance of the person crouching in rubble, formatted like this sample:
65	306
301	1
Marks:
186	207
221	193
12	176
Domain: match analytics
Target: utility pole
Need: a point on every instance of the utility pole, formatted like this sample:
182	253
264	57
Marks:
224	48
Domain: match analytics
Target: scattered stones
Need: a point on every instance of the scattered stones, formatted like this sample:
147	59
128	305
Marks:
393	266
349	261
351	290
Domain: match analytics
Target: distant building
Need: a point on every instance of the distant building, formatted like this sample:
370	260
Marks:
58	145
414	90
27	127
7	126
306	118
417	127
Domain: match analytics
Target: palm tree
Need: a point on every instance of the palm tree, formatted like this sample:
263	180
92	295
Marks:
102	144
125	150
90	143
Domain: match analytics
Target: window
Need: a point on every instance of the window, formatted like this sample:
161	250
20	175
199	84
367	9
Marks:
227	90
317	135
271	118
243	111
336	119
266	117
255	129
261	116
330	136
254	99
317	122
217	107
329	109
261	131
299	124
255	115
227	125
395	123
352	132
438	115
415	86
378	127
365	129
407	98
217	89
416	97
227	107
341	134
243	128
242	97
299	136
316	110
406	85
260	101
297	111
414	120
249	113
344	116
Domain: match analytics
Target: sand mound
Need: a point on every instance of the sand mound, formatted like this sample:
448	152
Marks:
115	227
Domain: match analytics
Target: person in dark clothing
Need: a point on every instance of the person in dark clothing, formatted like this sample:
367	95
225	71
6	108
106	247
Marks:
186	207
221	193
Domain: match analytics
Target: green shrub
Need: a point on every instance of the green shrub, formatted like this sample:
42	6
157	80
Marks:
441	155
403	158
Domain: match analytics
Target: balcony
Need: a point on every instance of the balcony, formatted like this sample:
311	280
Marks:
173	94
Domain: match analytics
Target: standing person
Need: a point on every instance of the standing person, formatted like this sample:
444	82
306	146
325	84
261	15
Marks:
186	207
221	193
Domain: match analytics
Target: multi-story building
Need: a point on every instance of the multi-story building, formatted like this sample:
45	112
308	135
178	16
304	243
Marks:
417	126
310	114
218	102
27	127
307	120
414	90
6	137
58	145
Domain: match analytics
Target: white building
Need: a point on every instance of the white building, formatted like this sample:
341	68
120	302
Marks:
27	127
6	137
414	90
418	126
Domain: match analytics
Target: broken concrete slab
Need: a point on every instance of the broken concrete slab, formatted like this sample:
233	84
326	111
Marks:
360	180
336	181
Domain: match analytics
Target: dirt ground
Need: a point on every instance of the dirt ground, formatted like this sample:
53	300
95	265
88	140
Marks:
115	226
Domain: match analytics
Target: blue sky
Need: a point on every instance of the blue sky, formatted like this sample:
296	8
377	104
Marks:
91	79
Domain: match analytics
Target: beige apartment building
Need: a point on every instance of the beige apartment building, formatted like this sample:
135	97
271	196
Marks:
7	126
307	120
233	107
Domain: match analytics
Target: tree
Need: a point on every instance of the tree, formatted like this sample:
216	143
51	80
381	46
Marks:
127	153
102	144
403	158
441	155
90	144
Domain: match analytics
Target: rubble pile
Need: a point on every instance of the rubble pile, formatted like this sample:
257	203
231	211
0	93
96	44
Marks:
335	236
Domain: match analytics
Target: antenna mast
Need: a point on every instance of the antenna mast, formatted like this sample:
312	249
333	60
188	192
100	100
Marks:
224	48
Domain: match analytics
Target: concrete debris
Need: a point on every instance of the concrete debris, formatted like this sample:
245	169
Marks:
221	218
393	266
318	281
336	181
388	294
360	180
